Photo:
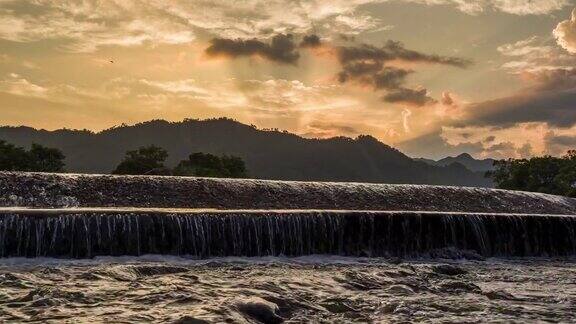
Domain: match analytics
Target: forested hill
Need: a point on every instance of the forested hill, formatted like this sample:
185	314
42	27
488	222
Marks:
268	154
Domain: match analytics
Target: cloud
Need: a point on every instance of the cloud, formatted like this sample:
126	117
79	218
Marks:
489	139
184	92
86	26
519	141
394	50
310	41
390	78
556	109
551	91
525	151
501	150
447	99
409	96
559	144
551	100
553	79
515	7
374	74
188	86
277	95
363	64
531	7
366	65
434	146
320	129
532	55
17	85
406	113
565	33
281	49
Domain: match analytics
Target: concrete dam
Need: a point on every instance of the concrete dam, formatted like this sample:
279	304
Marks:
83	216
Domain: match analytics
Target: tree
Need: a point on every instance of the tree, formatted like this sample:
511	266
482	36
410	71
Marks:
13	158
235	166
566	178
37	159
545	174
46	159
208	165
145	160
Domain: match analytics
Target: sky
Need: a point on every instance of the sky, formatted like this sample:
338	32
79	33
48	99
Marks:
433	78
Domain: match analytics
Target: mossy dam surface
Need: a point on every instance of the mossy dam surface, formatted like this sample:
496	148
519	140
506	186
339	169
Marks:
83	216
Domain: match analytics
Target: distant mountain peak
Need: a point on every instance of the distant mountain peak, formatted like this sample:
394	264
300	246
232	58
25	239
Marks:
466	156
466	160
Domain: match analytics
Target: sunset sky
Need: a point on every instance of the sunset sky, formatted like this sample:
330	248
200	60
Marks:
494	78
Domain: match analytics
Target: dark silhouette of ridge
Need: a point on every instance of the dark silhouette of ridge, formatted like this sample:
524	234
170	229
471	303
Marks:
269	154
466	160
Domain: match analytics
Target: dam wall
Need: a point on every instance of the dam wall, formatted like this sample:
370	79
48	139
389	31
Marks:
83	216
72	190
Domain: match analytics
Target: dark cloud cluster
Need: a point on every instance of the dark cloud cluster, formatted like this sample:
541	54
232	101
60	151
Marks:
417	97
366	64
394	50
553	79
363	64
282	48
552	100
489	139
310	41
374	74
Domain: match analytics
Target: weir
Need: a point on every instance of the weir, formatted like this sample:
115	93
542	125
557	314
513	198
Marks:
99	221
89	233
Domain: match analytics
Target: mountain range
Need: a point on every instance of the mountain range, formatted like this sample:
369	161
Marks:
269	154
466	160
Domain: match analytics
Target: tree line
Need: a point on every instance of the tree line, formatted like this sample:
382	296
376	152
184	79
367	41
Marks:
148	160
547	174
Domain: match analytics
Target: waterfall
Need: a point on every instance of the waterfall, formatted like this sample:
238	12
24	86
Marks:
86	234
84	216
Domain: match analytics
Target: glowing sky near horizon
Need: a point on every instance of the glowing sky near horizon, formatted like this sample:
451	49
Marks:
494	78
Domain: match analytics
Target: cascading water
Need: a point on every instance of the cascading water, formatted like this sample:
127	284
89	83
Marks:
85	234
93	215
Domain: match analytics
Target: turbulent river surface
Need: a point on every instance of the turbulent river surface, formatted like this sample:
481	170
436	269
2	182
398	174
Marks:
293	290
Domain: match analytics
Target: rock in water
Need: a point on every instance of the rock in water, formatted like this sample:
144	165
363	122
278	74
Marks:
448	269
260	310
